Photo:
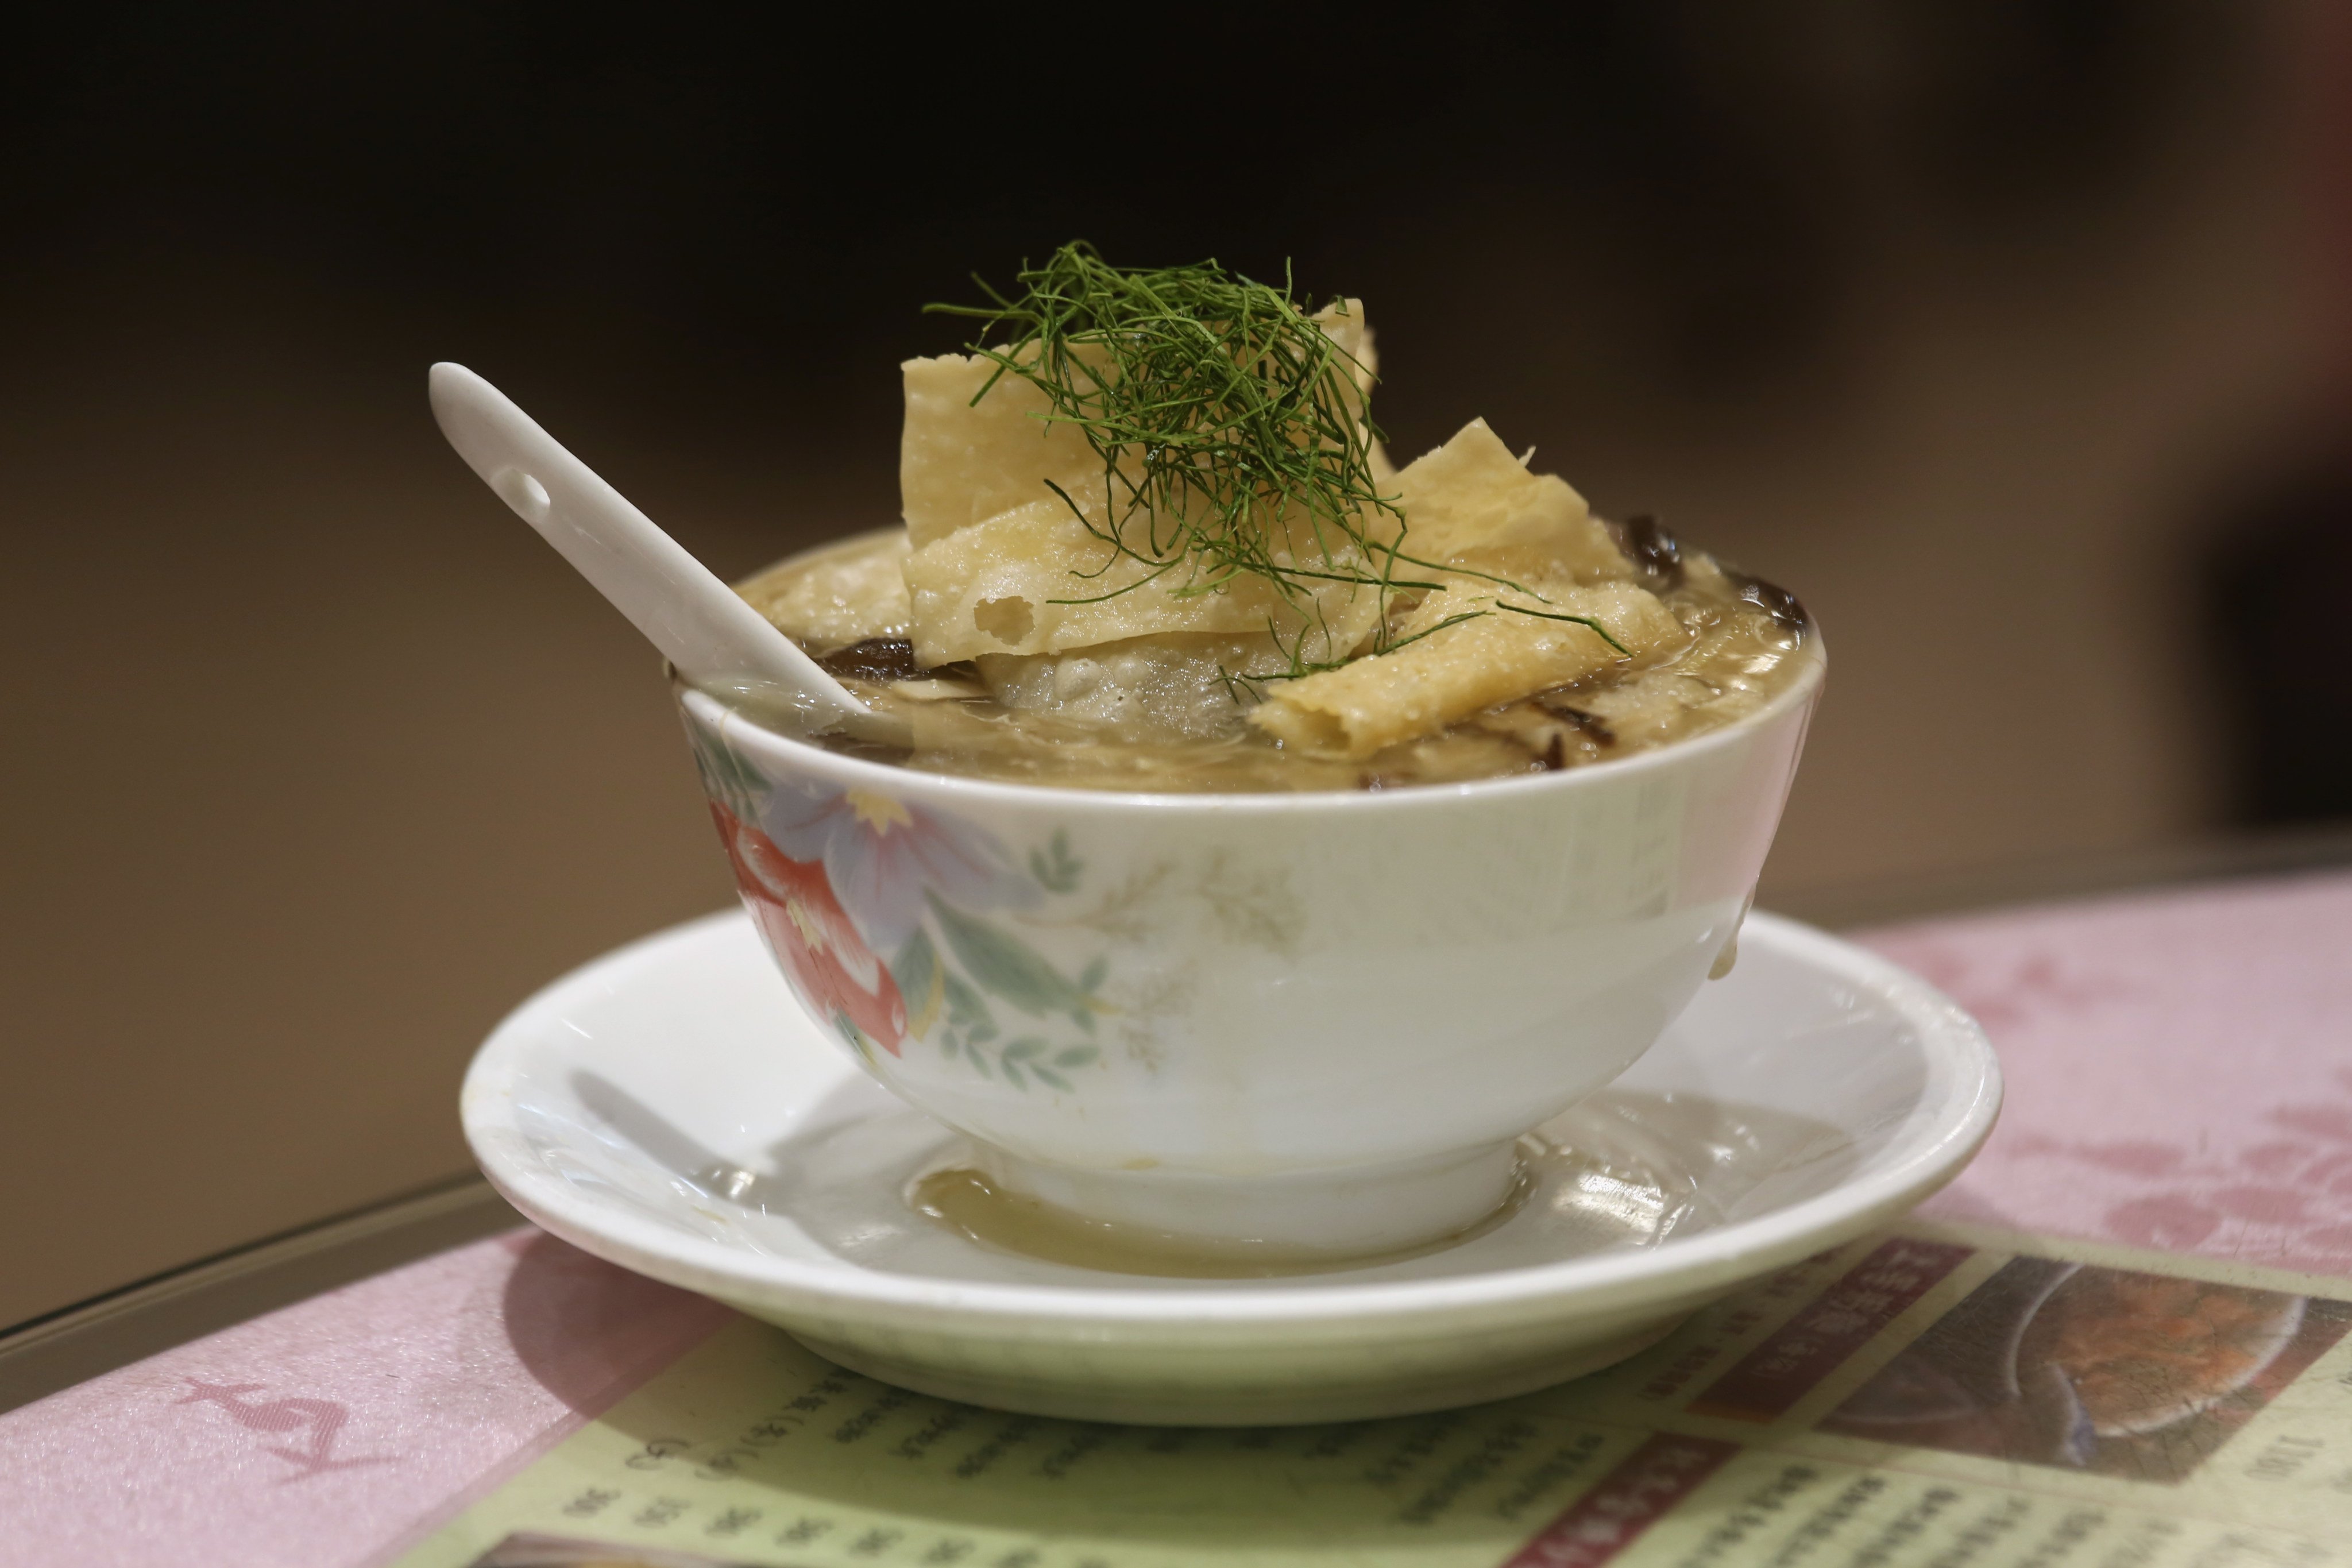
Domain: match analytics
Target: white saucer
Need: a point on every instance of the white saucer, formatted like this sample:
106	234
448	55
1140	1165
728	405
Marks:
669	1107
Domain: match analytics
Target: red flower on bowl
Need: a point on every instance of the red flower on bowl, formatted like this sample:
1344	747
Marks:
813	938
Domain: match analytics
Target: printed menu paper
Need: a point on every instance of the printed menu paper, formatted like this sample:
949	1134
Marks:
1939	1397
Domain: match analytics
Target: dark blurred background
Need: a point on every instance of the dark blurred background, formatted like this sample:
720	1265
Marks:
2012	337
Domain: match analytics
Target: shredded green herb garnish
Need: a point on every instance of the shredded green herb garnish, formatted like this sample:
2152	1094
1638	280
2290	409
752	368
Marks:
1586	621
1235	435
1232	429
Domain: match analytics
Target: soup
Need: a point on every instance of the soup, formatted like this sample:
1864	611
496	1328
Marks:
1153	542
1159	714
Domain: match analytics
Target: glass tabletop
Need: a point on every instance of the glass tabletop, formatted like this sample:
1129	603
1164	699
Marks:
61	1348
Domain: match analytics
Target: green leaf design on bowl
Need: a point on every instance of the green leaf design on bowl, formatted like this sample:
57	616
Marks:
1010	969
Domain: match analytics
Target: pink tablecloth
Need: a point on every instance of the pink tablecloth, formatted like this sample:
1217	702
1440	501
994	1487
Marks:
2179	1069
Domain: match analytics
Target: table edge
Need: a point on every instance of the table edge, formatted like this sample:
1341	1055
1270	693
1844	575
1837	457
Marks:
72	1344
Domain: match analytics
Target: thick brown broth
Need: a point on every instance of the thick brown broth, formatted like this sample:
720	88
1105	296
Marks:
1157	714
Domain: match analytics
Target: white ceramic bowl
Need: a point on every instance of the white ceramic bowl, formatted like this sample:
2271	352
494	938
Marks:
1315	1021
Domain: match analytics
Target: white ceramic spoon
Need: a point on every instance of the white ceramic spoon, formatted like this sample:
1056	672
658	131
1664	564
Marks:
714	639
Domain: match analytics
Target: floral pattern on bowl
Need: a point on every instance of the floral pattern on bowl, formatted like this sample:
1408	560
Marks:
836	878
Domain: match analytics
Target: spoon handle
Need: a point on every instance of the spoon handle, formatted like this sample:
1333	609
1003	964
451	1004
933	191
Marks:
701	627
